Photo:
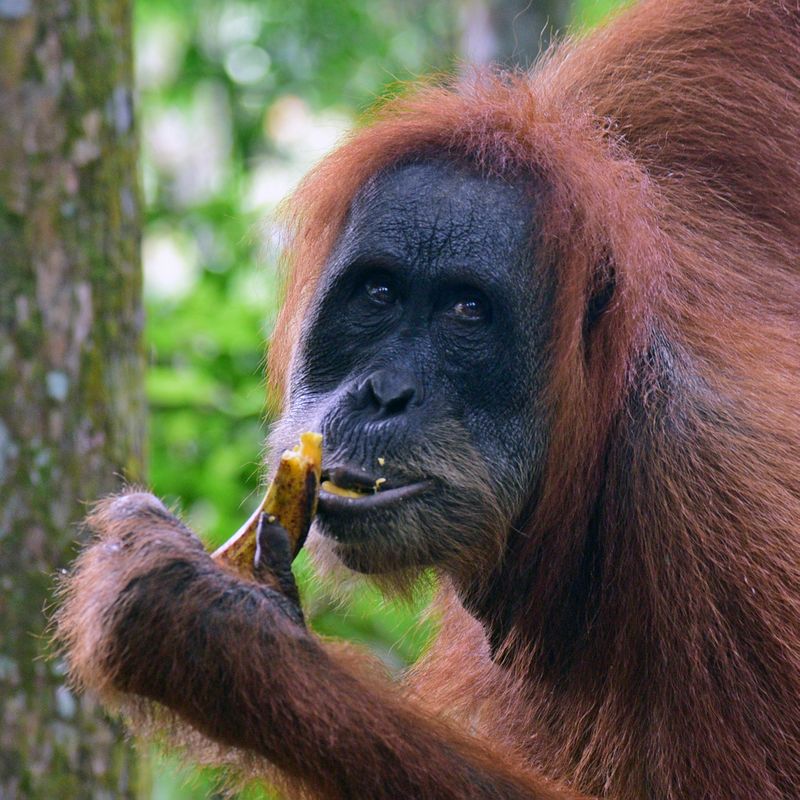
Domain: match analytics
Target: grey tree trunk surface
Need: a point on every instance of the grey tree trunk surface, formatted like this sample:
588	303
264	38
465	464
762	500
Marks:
71	363
510	32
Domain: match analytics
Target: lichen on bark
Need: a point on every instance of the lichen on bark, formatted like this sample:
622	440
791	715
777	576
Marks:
71	362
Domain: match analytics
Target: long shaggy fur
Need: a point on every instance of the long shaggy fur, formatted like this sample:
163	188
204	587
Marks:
644	622
196	656
652	605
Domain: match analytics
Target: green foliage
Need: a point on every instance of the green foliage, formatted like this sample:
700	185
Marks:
237	99
588	13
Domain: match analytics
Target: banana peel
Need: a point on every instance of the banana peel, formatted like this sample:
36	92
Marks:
291	500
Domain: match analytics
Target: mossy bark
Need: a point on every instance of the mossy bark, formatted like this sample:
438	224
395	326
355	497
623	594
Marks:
71	363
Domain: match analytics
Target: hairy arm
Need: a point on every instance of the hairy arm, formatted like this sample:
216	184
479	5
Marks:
148	613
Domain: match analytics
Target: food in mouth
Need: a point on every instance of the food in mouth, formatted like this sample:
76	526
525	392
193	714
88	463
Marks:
347	491
354	492
290	500
332	488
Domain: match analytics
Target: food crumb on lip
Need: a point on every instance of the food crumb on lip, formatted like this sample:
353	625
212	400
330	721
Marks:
378	483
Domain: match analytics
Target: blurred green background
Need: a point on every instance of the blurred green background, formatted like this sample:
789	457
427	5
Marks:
236	101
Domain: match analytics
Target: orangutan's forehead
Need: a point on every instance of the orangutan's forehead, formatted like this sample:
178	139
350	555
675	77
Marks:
437	210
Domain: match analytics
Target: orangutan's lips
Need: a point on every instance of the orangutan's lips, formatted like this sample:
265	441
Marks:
350	490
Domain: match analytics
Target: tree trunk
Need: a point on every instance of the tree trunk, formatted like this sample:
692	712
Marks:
509	32
71	363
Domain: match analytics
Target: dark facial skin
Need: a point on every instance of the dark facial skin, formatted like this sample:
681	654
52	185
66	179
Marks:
422	362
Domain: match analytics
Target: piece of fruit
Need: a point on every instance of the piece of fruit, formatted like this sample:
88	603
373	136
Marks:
328	486
291	500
